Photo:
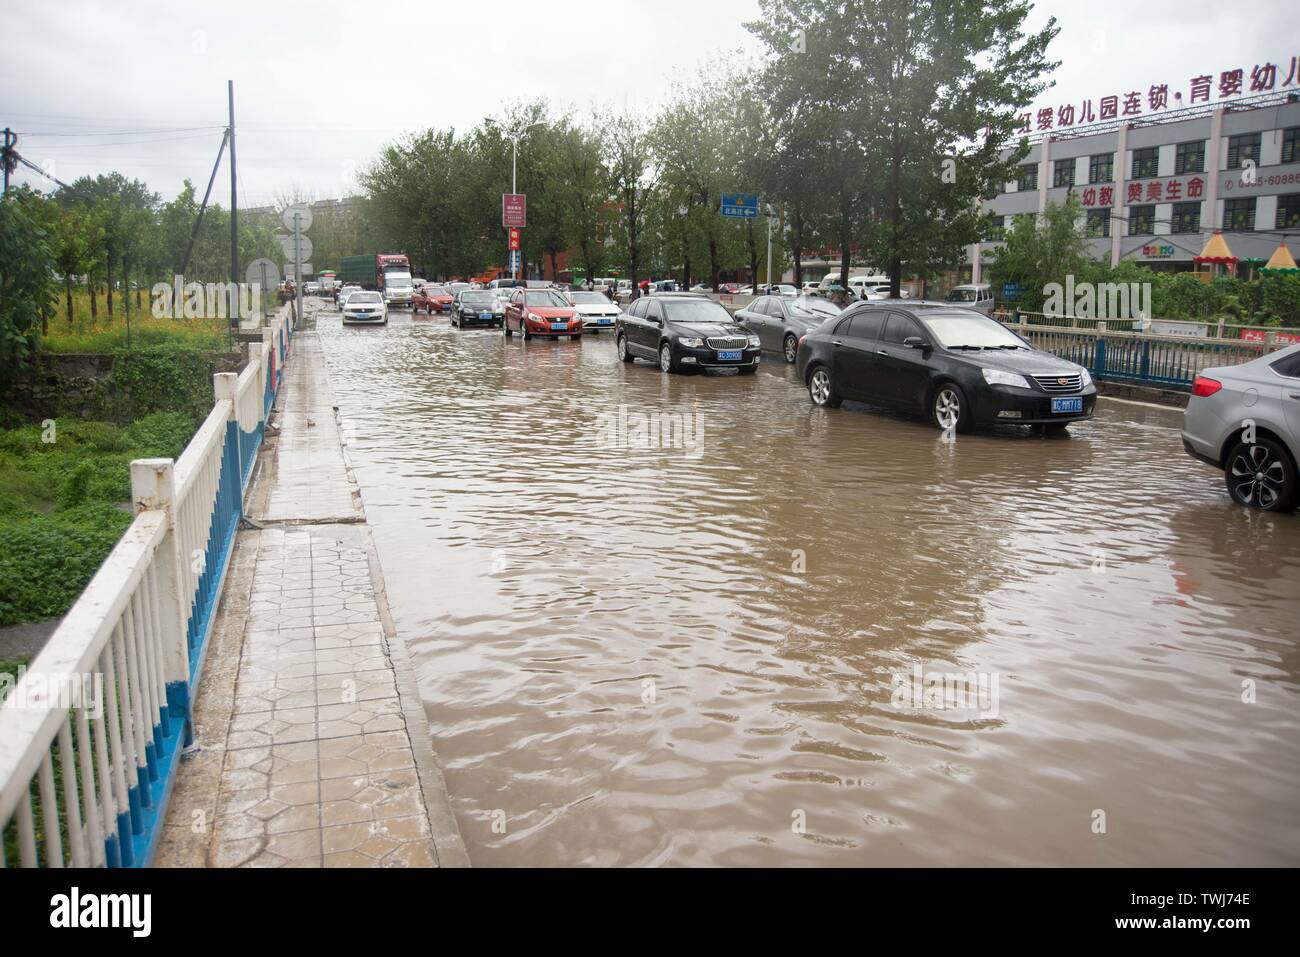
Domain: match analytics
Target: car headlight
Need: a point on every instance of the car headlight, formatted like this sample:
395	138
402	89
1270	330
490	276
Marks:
998	377
1085	378
531	317
690	343
754	342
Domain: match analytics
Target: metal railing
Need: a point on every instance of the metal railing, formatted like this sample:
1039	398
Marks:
91	733
1160	360
1218	329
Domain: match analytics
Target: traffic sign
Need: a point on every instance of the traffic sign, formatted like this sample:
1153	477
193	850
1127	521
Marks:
514	239
303	212
514	261
288	244
1011	290
514	210
740	205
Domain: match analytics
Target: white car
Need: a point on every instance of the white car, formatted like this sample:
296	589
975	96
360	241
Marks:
368	308
345	292
596	310
311	289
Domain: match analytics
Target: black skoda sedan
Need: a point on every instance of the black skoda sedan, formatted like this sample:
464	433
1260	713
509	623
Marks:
683	331
956	366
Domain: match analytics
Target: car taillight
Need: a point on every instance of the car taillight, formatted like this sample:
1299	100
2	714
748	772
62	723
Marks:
1205	386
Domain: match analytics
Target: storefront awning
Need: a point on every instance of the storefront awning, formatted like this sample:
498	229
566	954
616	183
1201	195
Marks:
1281	262
1216	251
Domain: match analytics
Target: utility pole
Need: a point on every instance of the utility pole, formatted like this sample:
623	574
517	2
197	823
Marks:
297	260
234	214
7	158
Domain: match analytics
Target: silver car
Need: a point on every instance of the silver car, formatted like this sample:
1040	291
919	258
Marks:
1245	420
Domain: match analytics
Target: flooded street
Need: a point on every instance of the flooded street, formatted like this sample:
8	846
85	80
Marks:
709	654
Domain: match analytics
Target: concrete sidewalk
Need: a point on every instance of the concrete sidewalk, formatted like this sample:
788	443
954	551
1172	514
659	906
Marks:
313	748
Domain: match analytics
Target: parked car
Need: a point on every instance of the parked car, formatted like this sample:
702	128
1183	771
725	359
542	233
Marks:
311	289
780	322
685	331
596	310
701	287
958	367
541	312
1245	420
432	298
978	296
477	307
365	307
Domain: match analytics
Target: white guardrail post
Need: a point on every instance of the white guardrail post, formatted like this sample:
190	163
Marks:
153	486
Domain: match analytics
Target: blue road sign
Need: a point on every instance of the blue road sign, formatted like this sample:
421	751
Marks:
740	205
1011	290
514	260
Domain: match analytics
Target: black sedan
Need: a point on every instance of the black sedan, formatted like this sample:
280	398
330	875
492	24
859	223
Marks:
954	365
683	331
780	322
476	307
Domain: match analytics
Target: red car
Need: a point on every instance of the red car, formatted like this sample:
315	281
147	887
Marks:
433	298
542	312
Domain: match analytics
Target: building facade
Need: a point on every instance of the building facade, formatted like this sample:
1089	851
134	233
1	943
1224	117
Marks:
1154	191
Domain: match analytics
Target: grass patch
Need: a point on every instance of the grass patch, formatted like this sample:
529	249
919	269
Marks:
104	334
63	504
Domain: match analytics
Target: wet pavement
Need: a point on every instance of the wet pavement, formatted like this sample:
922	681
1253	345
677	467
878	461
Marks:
725	651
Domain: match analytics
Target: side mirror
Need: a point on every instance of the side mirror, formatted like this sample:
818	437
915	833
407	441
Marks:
916	342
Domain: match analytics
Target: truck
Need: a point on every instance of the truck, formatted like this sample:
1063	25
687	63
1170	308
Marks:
386	273
327	279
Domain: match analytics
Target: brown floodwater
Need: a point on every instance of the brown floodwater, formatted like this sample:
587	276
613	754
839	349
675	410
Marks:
707	654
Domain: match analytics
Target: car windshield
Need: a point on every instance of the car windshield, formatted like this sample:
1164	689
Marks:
364	297
696	310
971	332
478	298
436	291
962	295
547	299
591	298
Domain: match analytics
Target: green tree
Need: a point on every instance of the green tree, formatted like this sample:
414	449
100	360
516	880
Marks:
26	279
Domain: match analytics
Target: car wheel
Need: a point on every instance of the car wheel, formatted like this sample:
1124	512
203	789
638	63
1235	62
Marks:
623	352
791	349
1261	475
523	331
666	361
948	408
821	389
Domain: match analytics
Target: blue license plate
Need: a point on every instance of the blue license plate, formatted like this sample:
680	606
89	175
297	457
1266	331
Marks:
1068	405
559	326
729	356
606	322
485	315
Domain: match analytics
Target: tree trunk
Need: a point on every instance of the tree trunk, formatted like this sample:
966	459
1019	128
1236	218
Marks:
108	270
796	237
94	300
67	295
555	266
713	264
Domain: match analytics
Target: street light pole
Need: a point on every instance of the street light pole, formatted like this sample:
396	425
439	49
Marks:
769	249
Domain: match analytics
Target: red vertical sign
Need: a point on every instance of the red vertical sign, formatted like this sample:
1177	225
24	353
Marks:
514	238
514	210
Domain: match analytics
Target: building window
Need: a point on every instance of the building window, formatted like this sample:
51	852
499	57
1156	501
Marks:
1141	220
1146	163
1186	218
996	230
1189	158
1063	173
1101	168
1239	214
1288	212
1291	145
1098	222
1027	178
1242	148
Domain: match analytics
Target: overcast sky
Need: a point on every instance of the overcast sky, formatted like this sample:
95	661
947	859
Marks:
320	86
